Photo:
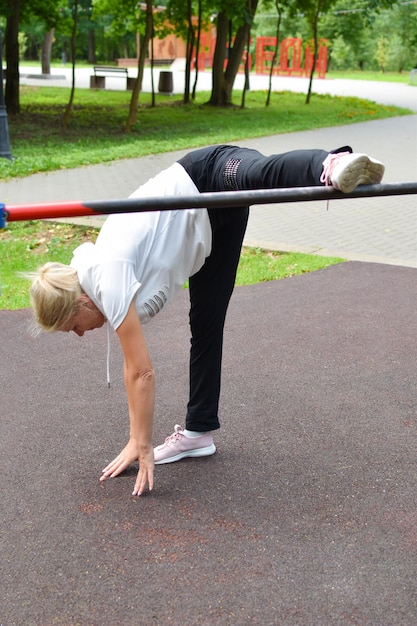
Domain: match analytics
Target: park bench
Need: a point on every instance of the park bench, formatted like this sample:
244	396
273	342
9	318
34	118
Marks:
98	79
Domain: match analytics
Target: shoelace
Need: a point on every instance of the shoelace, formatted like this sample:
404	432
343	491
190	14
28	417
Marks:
328	167
176	435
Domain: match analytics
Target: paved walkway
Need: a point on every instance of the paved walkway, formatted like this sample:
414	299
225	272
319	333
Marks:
372	229
398	94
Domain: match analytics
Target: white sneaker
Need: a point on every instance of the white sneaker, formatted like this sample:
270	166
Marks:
178	446
345	171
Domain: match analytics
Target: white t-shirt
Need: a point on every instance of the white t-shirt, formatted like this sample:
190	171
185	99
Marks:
145	256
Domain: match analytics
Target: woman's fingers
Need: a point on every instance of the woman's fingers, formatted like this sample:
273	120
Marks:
114	468
145	475
144	478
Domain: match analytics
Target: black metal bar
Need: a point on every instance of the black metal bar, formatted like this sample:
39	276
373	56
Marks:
204	200
247	198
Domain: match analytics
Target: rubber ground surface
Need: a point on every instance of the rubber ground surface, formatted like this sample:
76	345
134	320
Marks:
306	514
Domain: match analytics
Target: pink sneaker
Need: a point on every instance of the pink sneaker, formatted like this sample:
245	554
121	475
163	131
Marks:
178	446
345	171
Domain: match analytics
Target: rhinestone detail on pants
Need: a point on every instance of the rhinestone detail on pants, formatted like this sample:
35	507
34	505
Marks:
230	174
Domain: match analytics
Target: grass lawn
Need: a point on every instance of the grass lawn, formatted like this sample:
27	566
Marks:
27	245
386	77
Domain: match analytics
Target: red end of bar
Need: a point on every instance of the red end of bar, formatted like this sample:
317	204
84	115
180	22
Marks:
43	211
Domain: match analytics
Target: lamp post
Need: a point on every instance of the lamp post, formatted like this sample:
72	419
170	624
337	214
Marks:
4	127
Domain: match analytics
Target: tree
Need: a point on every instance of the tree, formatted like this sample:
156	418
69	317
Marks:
197	44
312	10
189	51
11	40
68	108
46	51
352	31
348	30
134	100
313	16
182	20
129	17
398	26
179	16
229	51
14	11
275	55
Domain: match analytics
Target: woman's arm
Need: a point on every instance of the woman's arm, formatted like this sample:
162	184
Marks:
140	387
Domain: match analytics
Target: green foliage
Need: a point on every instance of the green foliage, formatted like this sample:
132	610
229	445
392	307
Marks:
47	10
382	52
27	245
397	53
257	265
96	130
342	54
115	22
120	16
352	30
22	39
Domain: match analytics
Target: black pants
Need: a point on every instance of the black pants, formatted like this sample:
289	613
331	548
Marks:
228	168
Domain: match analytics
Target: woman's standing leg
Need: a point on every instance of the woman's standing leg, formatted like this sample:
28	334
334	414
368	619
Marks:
210	292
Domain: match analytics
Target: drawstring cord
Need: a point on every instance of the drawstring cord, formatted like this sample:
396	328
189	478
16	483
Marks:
108	355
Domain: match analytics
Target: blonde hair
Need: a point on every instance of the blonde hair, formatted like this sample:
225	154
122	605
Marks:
54	294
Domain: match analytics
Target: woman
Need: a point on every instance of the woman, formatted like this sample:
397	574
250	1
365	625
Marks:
141	260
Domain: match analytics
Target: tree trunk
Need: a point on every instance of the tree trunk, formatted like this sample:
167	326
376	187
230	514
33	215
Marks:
189	53
197	47
275	55
11	39
218	91
223	80
315	28
91	45
144	41
48	40
152	66
73	44
246	86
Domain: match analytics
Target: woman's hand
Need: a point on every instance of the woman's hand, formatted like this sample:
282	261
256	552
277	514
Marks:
139	379
127	456
145	474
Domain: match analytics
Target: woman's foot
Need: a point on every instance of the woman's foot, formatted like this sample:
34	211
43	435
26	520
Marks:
178	446
345	171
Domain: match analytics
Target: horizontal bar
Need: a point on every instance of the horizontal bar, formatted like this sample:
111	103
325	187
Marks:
20	212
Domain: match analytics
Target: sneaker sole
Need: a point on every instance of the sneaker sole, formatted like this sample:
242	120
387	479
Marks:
207	451
362	170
